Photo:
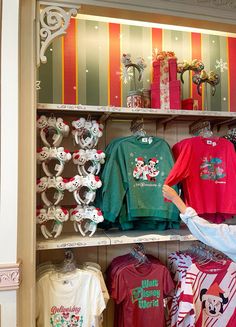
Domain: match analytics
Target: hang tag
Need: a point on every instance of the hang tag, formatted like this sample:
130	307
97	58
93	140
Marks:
57	167
90	169
144	139
87	139
90	196
150	139
209	142
55	196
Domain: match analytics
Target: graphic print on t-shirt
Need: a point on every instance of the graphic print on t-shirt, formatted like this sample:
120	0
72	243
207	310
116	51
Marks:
213	300
211	169
66	317
146	296
146	171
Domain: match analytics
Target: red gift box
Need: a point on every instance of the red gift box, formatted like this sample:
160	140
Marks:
175	94
155	96
172	69
189	104
156	71
172	65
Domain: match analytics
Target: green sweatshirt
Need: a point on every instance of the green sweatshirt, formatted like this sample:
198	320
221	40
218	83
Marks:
136	169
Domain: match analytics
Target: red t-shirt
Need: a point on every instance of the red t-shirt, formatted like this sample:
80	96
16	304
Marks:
207	169
112	272
140	291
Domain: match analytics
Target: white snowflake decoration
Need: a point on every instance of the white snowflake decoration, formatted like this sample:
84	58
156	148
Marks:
221	65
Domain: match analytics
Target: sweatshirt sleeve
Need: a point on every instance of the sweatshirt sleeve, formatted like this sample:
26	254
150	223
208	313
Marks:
114	187
219	236
180	169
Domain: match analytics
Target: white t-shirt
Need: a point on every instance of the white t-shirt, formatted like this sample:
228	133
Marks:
69	300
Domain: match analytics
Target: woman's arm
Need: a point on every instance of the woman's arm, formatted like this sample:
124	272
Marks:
170	194
220	236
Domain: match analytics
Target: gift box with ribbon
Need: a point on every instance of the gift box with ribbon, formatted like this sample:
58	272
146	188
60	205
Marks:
165	89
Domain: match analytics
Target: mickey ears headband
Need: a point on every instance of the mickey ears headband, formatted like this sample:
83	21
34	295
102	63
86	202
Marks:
57	183
86	133
44	155
58	214
57	126
88	161
79	214
84	188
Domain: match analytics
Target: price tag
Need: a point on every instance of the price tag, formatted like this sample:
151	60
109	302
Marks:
57	167
54	137
90	169
145	140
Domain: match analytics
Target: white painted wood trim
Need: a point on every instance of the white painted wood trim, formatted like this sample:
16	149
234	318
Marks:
197	9
10	276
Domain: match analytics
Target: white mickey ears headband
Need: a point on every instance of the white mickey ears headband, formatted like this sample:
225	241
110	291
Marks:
55	125
60	215
57	214
77	217
89	161
86	133
42	219
58	183
44	155
94	216
96	158
86	193
80	158
78	128
80	214
84	188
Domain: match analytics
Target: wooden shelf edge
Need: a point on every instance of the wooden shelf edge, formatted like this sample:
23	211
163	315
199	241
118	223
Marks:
114	237
124	110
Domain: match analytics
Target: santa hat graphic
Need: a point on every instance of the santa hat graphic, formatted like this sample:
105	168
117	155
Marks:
213	292
139	159
154	160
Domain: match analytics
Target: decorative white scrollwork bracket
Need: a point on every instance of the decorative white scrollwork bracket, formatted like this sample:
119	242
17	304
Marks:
53	22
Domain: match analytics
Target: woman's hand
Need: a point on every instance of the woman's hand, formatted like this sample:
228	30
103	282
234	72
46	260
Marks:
169	193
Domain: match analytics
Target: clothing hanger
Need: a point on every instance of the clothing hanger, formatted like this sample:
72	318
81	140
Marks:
204	254
201	128
69	263
137	128
138	253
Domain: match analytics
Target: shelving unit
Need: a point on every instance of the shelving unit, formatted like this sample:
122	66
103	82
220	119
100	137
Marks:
161	118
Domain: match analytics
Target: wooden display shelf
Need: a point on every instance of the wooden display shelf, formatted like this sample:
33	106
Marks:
216	118
135	236
73	240
113	237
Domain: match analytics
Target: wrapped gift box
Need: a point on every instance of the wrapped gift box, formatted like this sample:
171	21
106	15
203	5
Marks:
171	65
189	104
155	96
175	94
